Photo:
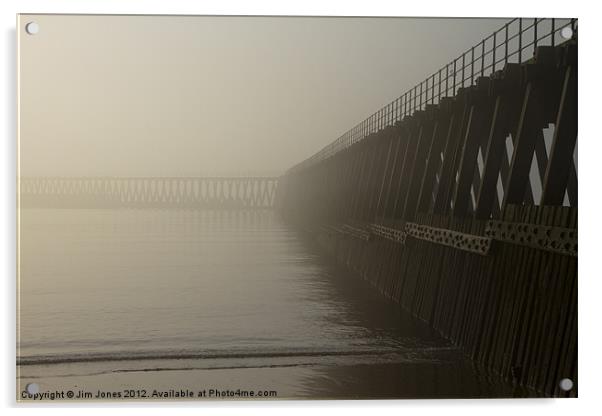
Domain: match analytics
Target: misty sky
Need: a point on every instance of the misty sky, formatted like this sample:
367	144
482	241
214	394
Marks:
205	96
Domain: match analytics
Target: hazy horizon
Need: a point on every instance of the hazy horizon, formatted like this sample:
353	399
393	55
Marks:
213	96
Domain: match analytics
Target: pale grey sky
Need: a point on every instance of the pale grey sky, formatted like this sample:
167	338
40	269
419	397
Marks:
200	96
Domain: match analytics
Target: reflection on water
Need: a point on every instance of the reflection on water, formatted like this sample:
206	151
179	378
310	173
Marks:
170	299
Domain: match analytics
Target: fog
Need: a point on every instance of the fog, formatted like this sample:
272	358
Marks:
210	96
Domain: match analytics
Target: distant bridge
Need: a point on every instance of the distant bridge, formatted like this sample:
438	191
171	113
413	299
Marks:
149	192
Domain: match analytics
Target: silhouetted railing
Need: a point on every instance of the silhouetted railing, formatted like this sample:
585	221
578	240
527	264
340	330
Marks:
515	42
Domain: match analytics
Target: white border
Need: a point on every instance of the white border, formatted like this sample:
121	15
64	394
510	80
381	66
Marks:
590	150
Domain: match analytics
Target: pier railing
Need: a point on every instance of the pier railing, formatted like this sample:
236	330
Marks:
515	42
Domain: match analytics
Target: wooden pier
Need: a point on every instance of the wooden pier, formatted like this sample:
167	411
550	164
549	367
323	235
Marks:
459	201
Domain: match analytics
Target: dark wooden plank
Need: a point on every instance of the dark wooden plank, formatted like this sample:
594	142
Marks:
416	171
565	136
531	120
478	121
447	171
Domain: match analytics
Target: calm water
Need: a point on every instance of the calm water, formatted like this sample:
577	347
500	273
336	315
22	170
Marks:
182	299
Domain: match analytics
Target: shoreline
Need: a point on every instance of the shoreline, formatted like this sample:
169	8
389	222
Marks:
417	380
